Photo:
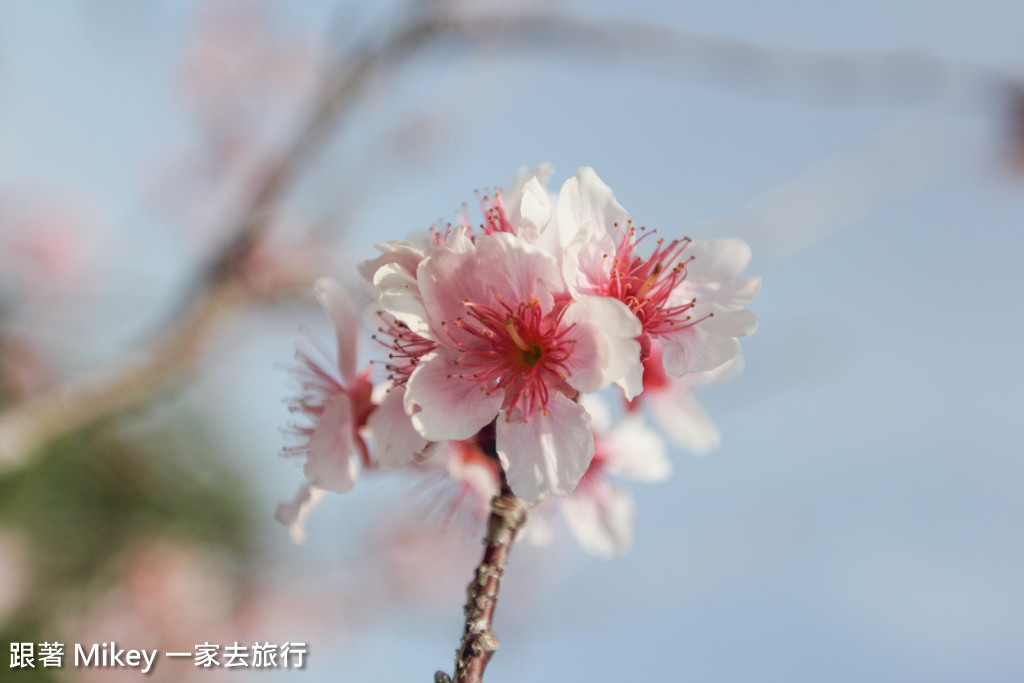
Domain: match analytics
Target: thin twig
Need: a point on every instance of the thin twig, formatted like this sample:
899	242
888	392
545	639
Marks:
508	515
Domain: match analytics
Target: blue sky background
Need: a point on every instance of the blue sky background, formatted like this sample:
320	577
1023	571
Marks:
863	517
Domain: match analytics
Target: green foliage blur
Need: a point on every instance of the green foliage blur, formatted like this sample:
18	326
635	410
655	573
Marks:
92	496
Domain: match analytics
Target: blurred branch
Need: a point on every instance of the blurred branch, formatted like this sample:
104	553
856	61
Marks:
825	75
220	284
29	425
892	162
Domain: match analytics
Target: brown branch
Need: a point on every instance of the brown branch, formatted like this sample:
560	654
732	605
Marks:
508	515
30	425
26	427
334	99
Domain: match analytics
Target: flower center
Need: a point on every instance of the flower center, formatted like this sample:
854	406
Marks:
529	354
647	285
519	349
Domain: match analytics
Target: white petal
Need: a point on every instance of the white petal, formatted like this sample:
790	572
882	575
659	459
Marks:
723	373
537	531
294	514
518	271
513	194
443	406
684	420
606	348
547	454
344	314
459	240
400	296
602	518
330	464
707	344
588	259
713	274
395	441
585	202
478	477
398	252
635	451
718	259
599	410
535	211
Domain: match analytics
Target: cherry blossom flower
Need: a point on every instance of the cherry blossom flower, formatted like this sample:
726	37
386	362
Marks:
523	210
600	513
510	340
673	407
688	295
461	480
295	513
335	402
504	325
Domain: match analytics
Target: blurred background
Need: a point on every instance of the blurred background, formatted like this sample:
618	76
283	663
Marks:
175	175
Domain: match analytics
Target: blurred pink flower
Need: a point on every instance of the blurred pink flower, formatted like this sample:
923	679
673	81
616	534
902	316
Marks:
673	406
47	246
241	79
168	594
422	562
600	513
335	402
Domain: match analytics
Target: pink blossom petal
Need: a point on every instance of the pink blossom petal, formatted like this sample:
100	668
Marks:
713	274
445	407
602	518
398	252
330	464
294	514
538	531
606	348
446	280
514	194
684	420
723	373
547	454
459	240
586	202
633	450
395	441
400	296
718	259
535	211
501	268
707	344
588	260
520	271
479	478
344	314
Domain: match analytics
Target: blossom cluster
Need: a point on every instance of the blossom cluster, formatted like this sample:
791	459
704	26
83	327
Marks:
496	335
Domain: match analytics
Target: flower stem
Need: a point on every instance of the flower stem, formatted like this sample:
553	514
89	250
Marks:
508	515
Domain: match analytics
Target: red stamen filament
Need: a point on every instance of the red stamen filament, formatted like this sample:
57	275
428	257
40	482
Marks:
519	349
